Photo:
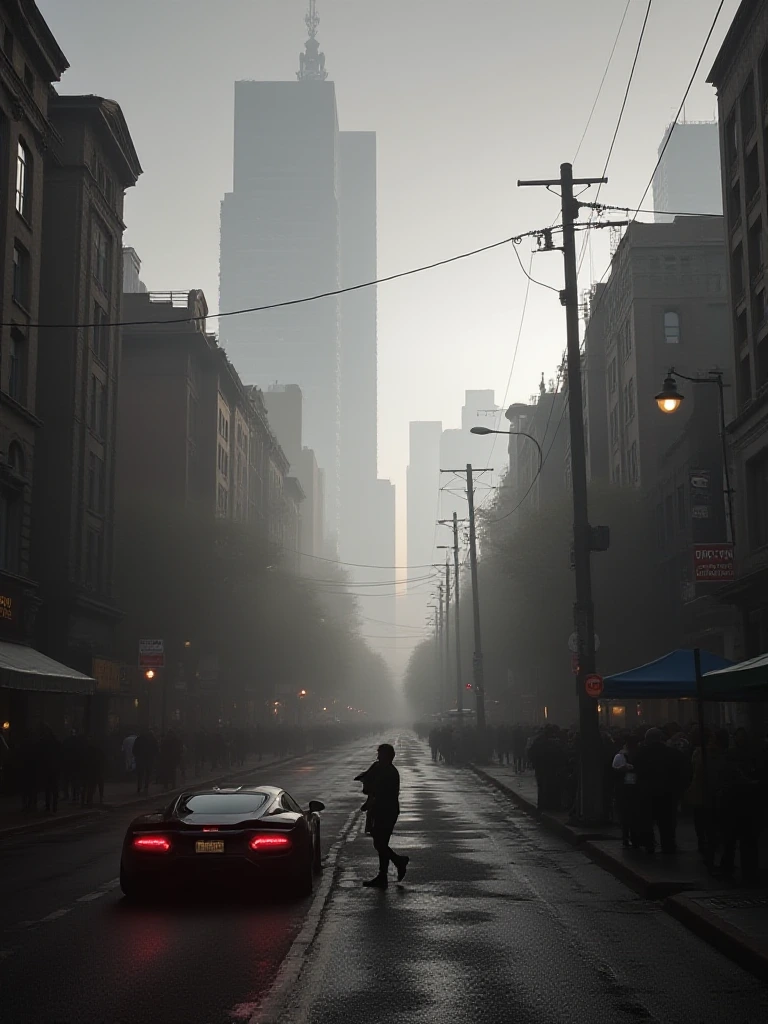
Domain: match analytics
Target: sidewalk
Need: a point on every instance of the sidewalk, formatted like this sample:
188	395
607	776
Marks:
117	795
728	916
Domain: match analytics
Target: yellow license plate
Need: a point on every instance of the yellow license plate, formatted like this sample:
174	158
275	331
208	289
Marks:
209	846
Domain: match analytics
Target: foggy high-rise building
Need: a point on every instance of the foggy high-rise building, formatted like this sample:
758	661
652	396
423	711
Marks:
301	220
459	446
688	177
422	484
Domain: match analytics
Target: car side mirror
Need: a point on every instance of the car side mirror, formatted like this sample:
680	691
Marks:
315	806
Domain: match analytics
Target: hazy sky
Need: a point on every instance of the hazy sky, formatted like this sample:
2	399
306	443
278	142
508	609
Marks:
466	96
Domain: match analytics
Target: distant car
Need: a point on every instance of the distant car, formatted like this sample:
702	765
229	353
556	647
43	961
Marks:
243	834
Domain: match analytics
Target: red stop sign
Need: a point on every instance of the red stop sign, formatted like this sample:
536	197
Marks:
593	686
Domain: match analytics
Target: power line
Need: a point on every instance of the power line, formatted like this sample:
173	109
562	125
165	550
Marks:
682	103
511	371
532	279
331	585
357	565
291	302
618	123
602	83
638	209
632	209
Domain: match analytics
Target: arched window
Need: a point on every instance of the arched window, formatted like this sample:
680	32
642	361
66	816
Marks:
671	327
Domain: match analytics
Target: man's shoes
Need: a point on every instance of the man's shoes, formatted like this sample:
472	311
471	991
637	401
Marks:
402	867
379	882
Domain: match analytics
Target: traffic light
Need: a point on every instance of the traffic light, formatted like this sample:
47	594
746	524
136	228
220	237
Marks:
468	686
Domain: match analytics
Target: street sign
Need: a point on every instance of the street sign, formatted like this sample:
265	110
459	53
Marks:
151	654
713	563
573	643
593	686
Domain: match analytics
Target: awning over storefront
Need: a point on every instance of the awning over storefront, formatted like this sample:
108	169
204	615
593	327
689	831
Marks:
24	668
743	682
669	678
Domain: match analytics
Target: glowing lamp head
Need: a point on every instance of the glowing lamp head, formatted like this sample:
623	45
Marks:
669	398
149	674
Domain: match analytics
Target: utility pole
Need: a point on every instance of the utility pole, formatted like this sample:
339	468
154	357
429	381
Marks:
459	688
457	622
447	629
591	789
441	652
477	661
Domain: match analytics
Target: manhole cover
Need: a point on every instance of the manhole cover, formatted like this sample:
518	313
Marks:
738	902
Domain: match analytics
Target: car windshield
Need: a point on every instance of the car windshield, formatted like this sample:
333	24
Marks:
222	803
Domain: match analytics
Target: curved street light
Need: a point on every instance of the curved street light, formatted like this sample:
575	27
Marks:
483	431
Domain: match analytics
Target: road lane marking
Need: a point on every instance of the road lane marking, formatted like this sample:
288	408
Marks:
56	915
90	896
269	1009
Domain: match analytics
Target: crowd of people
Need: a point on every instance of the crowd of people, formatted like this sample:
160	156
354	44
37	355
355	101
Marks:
649	776
42	769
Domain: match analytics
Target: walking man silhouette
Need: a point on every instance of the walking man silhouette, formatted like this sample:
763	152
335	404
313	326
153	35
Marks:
384	805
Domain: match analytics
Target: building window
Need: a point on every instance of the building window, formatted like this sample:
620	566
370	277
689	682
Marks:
100	334
29	78
634	469
12	511
672	327
20	274
615	426
626	340
757	497
102	253
23	180
748	109
95	483
97	407
682	520
8	44
17	373
222	503
631	399
94	559
612	377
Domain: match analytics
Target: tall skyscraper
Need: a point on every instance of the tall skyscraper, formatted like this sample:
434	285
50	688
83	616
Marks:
688	177
423	482
300	221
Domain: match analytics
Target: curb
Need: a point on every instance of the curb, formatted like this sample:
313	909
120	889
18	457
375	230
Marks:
586	842
45	824
718	933
272	1008
678	896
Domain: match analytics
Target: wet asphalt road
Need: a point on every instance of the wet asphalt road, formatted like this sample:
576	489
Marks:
72	951
497	921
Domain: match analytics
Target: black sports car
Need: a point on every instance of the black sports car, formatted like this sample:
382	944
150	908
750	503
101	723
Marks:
243	834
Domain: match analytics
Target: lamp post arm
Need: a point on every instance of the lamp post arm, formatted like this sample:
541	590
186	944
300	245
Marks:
716	377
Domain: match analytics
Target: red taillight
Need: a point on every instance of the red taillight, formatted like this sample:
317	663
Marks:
267	844
151	844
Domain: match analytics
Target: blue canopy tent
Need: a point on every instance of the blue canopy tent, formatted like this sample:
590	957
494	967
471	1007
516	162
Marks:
669	678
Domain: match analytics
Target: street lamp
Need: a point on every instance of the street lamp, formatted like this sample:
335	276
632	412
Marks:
669	398
669	401
513	433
